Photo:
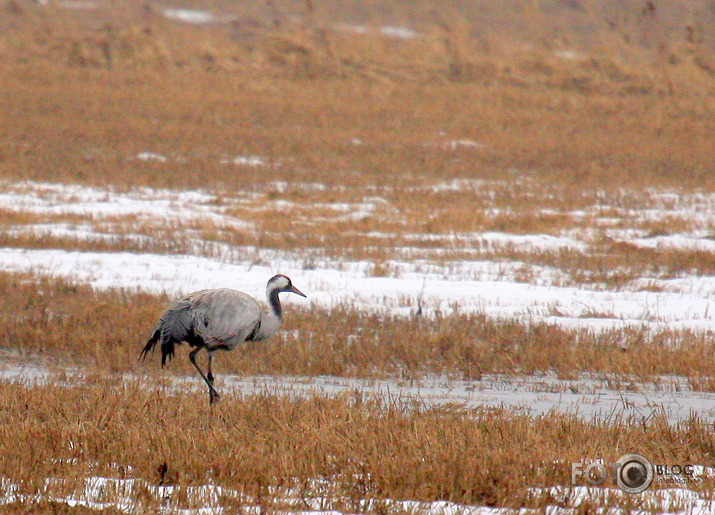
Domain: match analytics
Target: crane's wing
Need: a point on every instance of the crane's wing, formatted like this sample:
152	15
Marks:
224	316
175	323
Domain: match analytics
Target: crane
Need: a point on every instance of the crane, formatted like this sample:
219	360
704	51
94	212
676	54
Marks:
218	319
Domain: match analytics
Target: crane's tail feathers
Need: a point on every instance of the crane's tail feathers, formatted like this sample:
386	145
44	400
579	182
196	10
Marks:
167	347
174	326
149	345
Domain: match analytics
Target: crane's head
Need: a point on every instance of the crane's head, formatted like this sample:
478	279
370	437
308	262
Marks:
282	283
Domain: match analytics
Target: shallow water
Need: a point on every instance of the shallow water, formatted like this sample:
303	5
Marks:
589	397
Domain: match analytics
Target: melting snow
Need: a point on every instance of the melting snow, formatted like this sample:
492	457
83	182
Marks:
393	31
687	308
464	143
195	17
151	156
502	289
129	492
389	31
245	161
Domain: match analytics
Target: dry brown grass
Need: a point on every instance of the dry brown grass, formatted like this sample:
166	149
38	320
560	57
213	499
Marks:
345	450
615	265
86	93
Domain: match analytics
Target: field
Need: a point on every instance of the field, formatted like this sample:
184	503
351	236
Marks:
502	214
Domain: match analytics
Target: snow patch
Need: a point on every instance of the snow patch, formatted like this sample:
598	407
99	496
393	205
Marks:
245	161
195	17
477	287
151	156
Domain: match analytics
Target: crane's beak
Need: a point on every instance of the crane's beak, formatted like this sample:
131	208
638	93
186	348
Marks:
295	290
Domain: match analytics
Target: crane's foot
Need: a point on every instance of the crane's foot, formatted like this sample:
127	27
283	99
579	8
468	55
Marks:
214	397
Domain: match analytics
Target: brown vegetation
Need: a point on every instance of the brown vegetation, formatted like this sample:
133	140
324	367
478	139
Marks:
345	450
85	93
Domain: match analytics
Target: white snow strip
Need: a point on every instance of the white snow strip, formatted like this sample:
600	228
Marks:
569	55
283	186
151	204
678	242
352	284
464	143
195	17
126	495
155	207
245	161
462	185
389	31
151	156
652	499
529	242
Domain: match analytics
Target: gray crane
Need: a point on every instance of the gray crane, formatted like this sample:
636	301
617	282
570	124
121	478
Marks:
218	319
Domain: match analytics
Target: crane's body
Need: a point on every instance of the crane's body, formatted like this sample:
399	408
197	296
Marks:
219	319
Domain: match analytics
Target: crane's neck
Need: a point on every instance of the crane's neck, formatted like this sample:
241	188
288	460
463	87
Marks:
271	321
274	302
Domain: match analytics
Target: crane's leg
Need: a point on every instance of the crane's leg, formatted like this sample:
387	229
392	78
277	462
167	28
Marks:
213	394
209	375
